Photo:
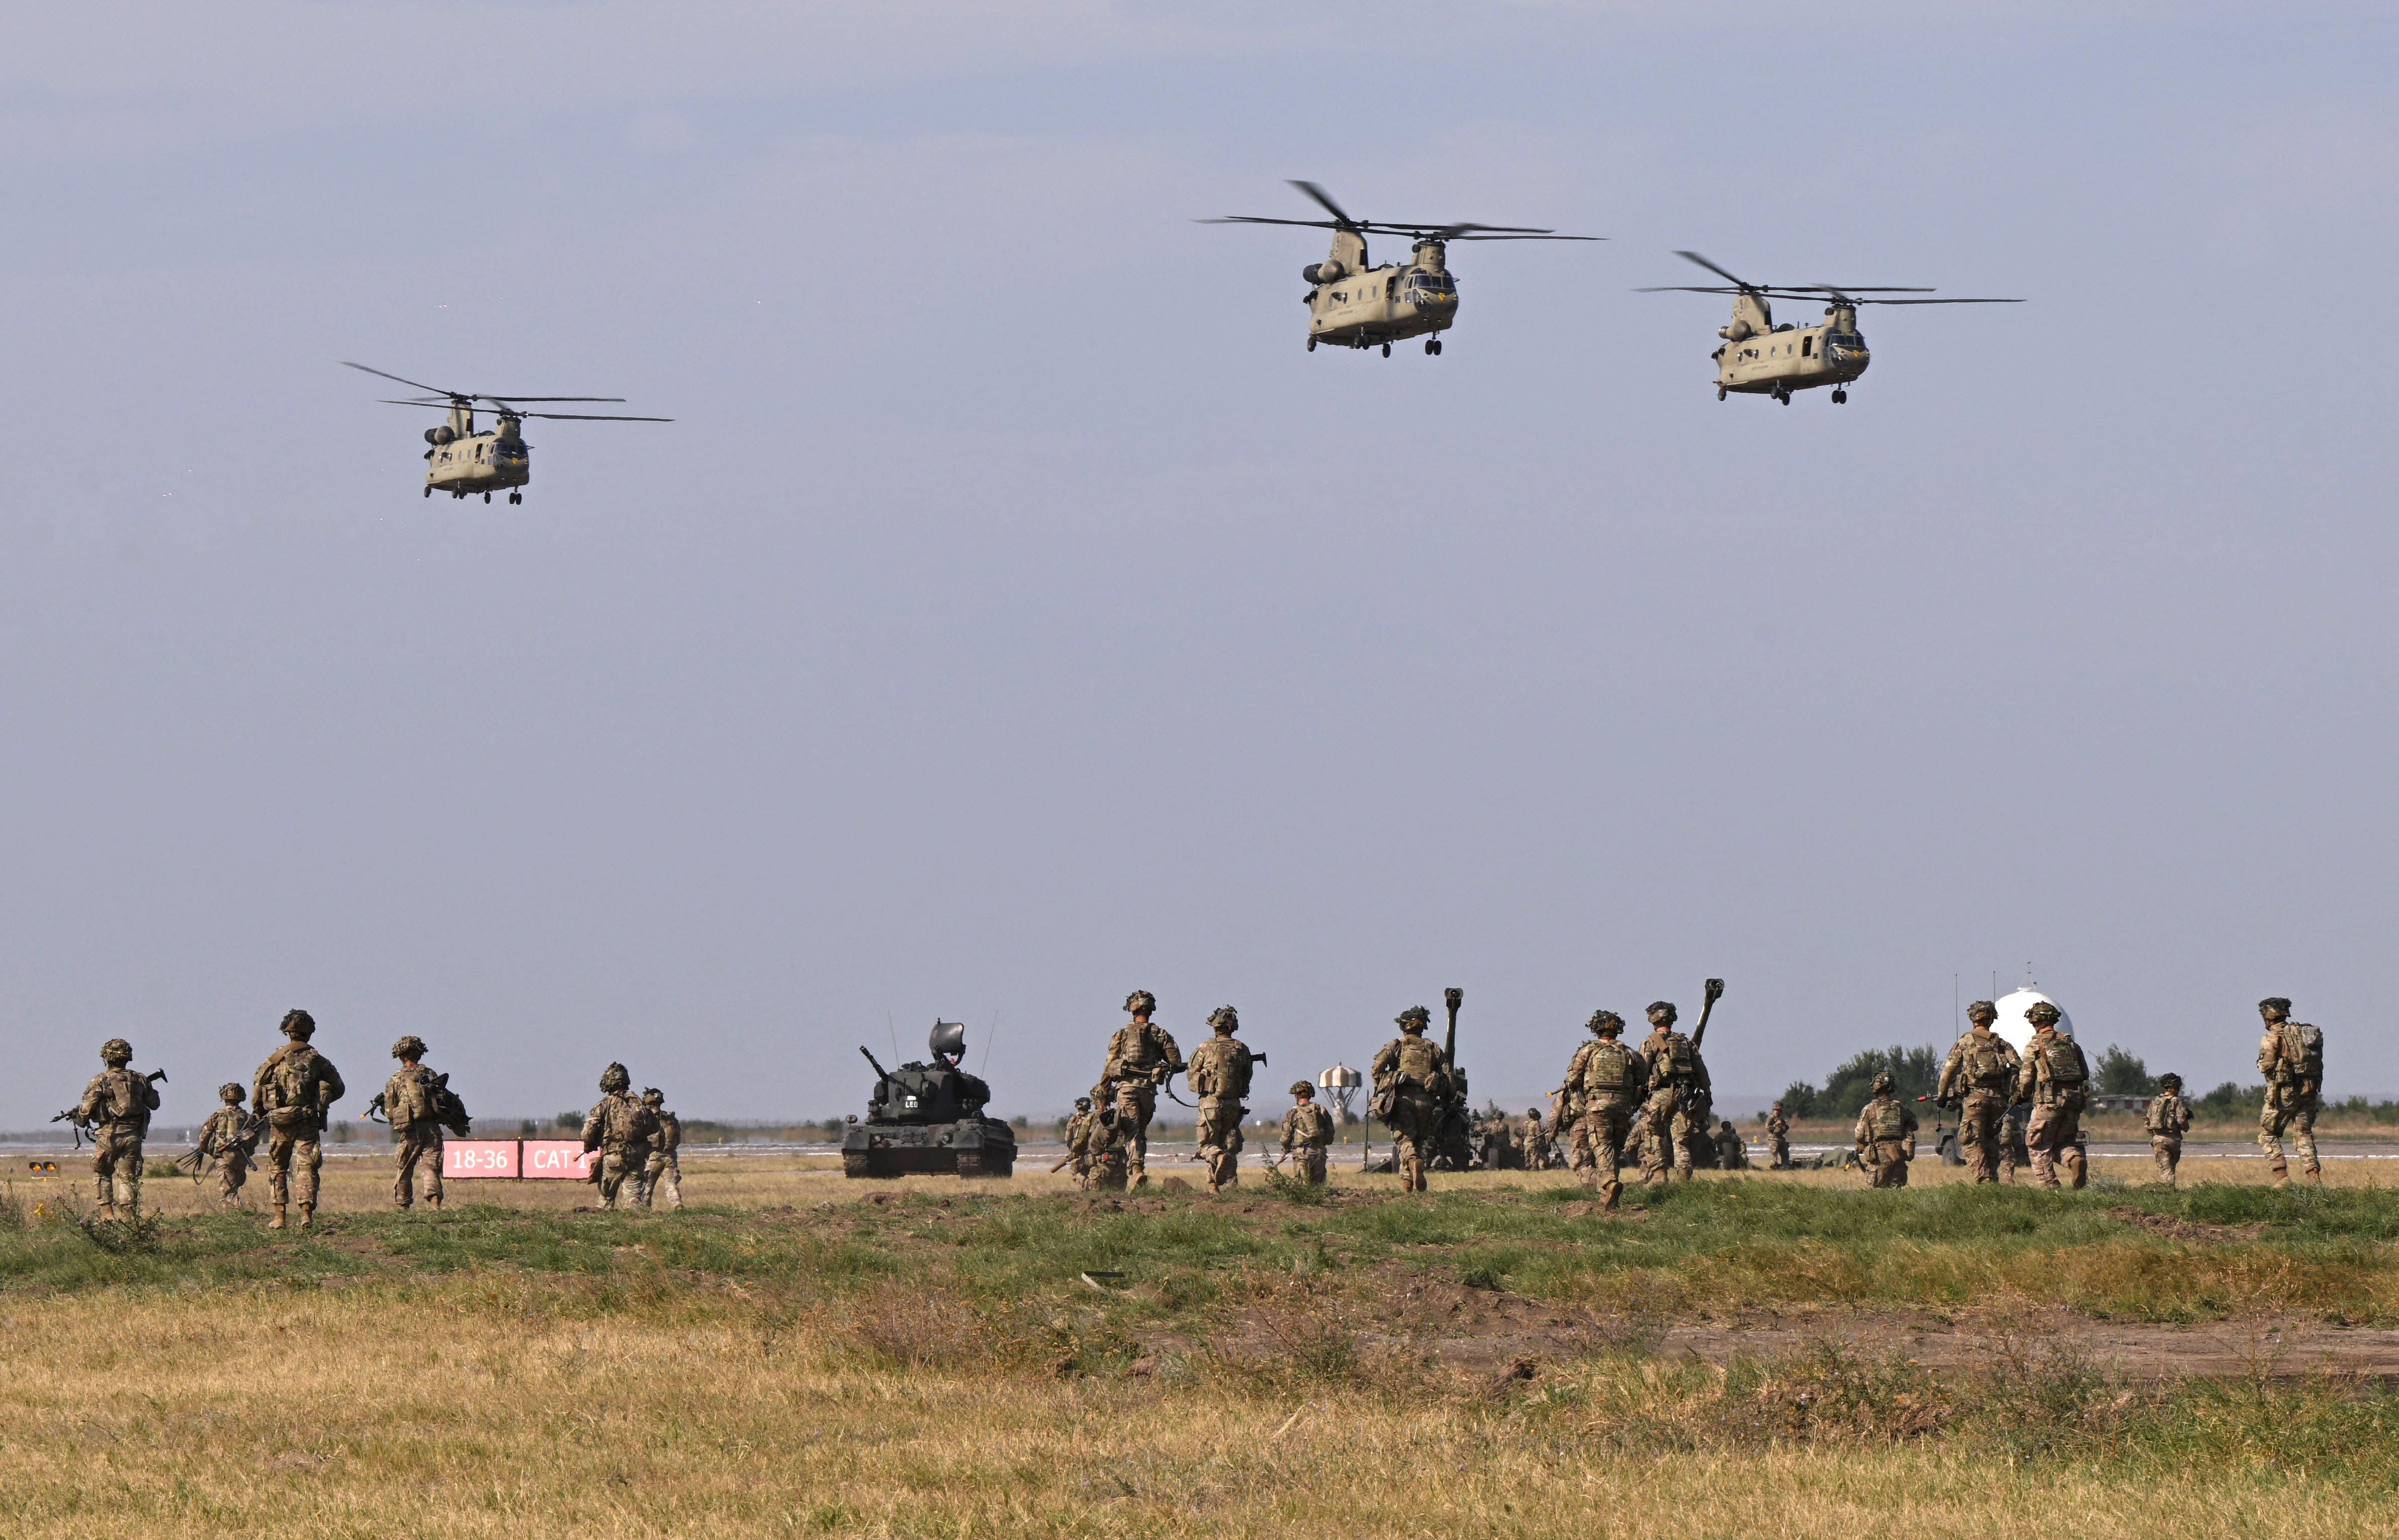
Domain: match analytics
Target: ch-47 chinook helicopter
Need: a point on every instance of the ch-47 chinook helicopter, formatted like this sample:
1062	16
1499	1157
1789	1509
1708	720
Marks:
1761	358
1353	303
463	461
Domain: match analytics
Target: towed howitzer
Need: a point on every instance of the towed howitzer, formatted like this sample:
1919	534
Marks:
1712	992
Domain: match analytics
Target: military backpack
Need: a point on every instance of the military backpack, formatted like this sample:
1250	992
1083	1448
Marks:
1886	1121
2302	1053
1611	1071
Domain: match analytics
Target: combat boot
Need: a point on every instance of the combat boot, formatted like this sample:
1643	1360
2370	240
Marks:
1611	1191
276	1223
433	1203
108	1213
308	1215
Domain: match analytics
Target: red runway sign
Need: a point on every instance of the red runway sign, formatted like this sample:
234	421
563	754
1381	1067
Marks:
465	1159
561	1159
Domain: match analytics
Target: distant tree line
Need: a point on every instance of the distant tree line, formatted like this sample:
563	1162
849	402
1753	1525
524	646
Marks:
2116	1072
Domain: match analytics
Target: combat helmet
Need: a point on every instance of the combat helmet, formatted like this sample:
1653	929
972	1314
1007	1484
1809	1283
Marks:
1884	1085
1140	1003
116	1053
410	1046
2170	1082
614	1078
299	1025
1301	1087
653	1097
1225	1018
1082	1104
1413	1018
1665	1005
2275	1002
231	1091
1604	1021
2042	1013
1982	1010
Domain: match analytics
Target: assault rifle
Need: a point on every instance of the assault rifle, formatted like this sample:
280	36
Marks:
194	1161
82	1126
375	1112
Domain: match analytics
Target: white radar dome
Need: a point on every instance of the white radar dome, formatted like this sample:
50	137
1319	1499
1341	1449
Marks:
2011	1024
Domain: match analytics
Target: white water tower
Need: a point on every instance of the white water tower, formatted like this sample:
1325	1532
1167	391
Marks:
1341	1084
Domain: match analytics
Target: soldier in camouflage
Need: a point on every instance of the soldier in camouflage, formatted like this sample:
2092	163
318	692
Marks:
1535	1137
1614	1081
1306	1133
1679	1096
621	1130
293	1090
1108	1149
1078	1141
412	1099
1778	1138
1732	1151
2054	1080
664	1167
228	1137
2168	1119
116	1106
1979	1081
2291	1058
1142	1056
1568	1103
1885	1135
1411	1087
1219	1072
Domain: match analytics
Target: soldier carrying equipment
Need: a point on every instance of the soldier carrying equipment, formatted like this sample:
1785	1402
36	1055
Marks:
1613	1081
230	1138
116	1107
294	1091
2290	1056
1413	1091
1885	1135
2055	1079
1219	1072
1978	1081
1142	1058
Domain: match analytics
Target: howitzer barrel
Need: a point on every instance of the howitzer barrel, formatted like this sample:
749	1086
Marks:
1708	998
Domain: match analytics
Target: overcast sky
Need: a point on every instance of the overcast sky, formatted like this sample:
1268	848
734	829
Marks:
1017	614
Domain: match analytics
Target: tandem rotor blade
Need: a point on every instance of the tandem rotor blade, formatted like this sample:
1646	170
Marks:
1941	302
1693	256
418	383
1260	218
587	417
1325	198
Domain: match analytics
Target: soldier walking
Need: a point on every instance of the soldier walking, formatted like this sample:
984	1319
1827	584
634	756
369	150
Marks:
2168	1120
1306	1133
1778	1138
1679	1096
229	1137
1978	1081
116	1106
1412	1090
293	1090
665	1166
1142	1056
1568	1103
1885	1135
1219	1073
1078	1141
1108	1149
2291	1058
412	1099
620	1130
1536	1141
2055	1079
1614	1080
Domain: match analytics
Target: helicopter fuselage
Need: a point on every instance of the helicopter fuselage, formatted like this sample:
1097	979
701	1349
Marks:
462	461
1761	358
1355	305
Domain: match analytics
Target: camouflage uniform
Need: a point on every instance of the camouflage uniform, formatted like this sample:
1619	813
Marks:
665	1166
1979	1079
1078	1141
411	1101
1219	1072
1110	1150
293	1090
1732	1151
1535	1137
621	1130
1412	1090
2291	1058
116	1105
1777	1137
2054	1079
1306	1132
1142	1056
1886	1136
222	1136
1679	1097
2168	1120
1614	1080
1566	1107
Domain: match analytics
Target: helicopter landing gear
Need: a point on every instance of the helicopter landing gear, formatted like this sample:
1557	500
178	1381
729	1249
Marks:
1782	395
1840	397
1432	345
1311	344
515	498
428	489
487	497
1387	350
1721	393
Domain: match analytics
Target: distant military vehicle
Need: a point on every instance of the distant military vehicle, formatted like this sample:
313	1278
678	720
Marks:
463	461
928	1118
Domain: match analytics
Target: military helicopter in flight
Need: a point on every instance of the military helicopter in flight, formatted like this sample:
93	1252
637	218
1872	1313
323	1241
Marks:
497	459
1353	303
1761	358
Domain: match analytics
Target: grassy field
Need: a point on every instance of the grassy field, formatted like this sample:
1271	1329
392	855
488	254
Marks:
797	1354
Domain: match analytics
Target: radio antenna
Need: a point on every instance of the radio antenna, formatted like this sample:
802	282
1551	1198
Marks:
988	1039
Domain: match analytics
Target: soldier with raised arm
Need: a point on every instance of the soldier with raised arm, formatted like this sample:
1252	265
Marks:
2055	1080
2291	1058
1978	1081
1614	1080
1306	1133
294	1090
1142	1056
1219	1073
116	1106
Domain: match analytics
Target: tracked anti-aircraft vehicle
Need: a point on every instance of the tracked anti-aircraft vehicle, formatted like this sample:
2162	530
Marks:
928	1118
